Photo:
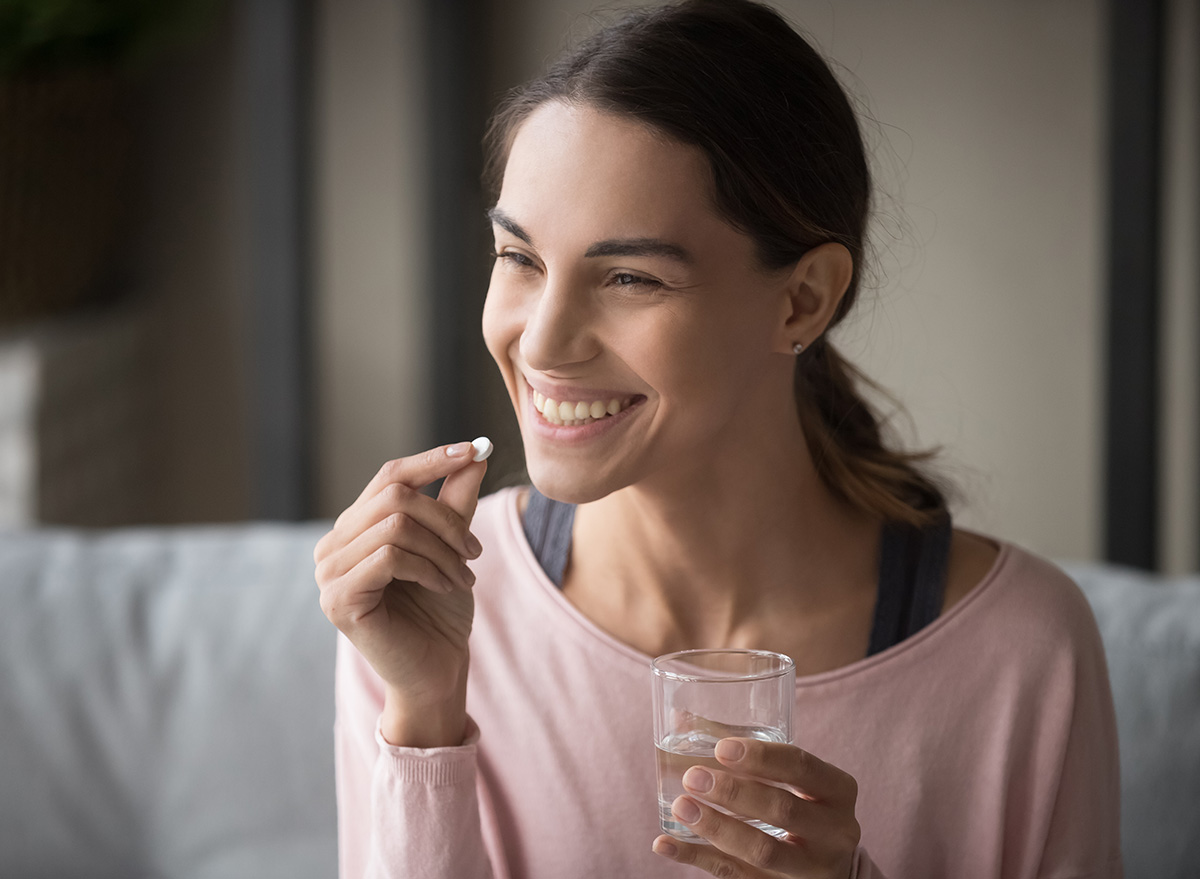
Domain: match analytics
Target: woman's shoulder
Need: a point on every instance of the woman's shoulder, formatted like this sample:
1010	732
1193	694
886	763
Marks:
972	558
1025	597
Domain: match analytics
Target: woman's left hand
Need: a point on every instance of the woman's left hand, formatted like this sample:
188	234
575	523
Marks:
816	808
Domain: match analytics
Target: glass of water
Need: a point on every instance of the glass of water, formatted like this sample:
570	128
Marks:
703	696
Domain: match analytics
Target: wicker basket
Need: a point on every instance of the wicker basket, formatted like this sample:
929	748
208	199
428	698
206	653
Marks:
64	143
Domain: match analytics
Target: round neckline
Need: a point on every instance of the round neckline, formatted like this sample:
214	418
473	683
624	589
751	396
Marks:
585	626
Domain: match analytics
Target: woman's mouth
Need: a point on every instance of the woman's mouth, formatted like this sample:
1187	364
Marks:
578	413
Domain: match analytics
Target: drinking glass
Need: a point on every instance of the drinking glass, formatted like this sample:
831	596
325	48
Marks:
703	696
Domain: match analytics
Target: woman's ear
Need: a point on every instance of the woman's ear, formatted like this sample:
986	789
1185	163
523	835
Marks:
812	293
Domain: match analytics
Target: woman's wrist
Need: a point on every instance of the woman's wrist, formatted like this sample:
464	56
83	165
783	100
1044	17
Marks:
411	723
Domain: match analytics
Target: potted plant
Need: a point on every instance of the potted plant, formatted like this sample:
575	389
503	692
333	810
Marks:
65	138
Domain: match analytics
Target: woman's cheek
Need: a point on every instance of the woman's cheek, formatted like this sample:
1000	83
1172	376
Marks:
501	328
498	318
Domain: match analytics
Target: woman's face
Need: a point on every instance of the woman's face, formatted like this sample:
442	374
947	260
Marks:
621	296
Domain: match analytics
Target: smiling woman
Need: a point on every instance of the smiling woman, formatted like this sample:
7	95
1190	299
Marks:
679	220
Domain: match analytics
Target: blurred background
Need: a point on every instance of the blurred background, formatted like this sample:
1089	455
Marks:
243	252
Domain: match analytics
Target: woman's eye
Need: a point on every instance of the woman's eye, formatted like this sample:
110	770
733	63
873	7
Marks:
626	279
515	257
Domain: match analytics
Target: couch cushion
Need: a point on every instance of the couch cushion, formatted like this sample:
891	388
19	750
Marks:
1151	631
166	704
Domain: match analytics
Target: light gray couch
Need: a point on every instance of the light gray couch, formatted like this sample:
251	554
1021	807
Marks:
166	706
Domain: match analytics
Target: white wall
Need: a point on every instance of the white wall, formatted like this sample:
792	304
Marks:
193	265
372	375
192	275
988	322
1180	466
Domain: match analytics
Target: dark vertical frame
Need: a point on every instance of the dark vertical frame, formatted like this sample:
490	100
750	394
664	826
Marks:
1135	92
275	57
456	58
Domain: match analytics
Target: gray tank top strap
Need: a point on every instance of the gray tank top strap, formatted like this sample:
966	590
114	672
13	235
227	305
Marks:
912	567
912	581
548	530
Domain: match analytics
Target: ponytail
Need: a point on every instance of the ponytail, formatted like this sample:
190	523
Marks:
845	440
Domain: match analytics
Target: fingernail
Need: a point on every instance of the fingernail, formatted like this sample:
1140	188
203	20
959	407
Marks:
666	848
468	576
474	547
698	779
686	810
458	449
730	749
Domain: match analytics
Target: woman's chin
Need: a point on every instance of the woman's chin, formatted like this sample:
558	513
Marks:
568	485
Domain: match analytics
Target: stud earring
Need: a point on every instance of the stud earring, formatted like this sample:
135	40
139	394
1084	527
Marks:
798	347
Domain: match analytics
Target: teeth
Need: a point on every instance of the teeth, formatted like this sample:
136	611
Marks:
575	414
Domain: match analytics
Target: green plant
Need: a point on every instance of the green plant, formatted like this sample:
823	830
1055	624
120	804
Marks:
45	35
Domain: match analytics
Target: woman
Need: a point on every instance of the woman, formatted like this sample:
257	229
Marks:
680	219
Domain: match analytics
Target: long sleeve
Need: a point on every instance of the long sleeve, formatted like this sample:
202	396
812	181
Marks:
402	812
1085	823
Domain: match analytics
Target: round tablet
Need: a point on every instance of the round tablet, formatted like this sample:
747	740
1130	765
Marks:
483	448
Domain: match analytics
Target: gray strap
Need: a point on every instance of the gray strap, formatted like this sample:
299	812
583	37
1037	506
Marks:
548	530
912	581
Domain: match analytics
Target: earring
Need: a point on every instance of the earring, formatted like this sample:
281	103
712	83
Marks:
798	347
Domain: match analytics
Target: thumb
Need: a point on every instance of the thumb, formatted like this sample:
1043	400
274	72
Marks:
460	490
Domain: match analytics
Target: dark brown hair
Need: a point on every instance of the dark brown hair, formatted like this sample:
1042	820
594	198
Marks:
789	169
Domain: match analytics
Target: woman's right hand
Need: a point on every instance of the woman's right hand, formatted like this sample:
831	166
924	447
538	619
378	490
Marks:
394	580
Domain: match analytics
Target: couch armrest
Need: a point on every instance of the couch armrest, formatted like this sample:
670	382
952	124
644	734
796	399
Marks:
1151	631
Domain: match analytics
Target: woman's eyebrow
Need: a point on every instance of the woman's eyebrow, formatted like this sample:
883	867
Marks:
640	247
504	221
610	247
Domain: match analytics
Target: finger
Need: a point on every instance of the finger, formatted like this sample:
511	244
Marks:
397	498
460	491
706	858
406	533
755	799
735	837
776	761
417	471
360	591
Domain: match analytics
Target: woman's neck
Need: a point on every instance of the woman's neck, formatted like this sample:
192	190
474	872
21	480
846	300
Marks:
747	549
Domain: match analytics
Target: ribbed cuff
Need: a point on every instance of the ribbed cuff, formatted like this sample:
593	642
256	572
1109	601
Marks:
432	767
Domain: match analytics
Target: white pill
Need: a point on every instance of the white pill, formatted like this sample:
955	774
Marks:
483	448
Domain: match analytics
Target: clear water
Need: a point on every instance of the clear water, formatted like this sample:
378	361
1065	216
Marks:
680	751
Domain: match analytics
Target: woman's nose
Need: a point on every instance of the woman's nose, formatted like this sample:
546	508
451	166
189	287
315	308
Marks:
557	330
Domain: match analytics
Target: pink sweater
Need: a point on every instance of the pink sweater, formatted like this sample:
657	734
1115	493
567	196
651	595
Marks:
984	746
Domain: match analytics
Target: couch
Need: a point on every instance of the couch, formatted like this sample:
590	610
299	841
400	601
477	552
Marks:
166	706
